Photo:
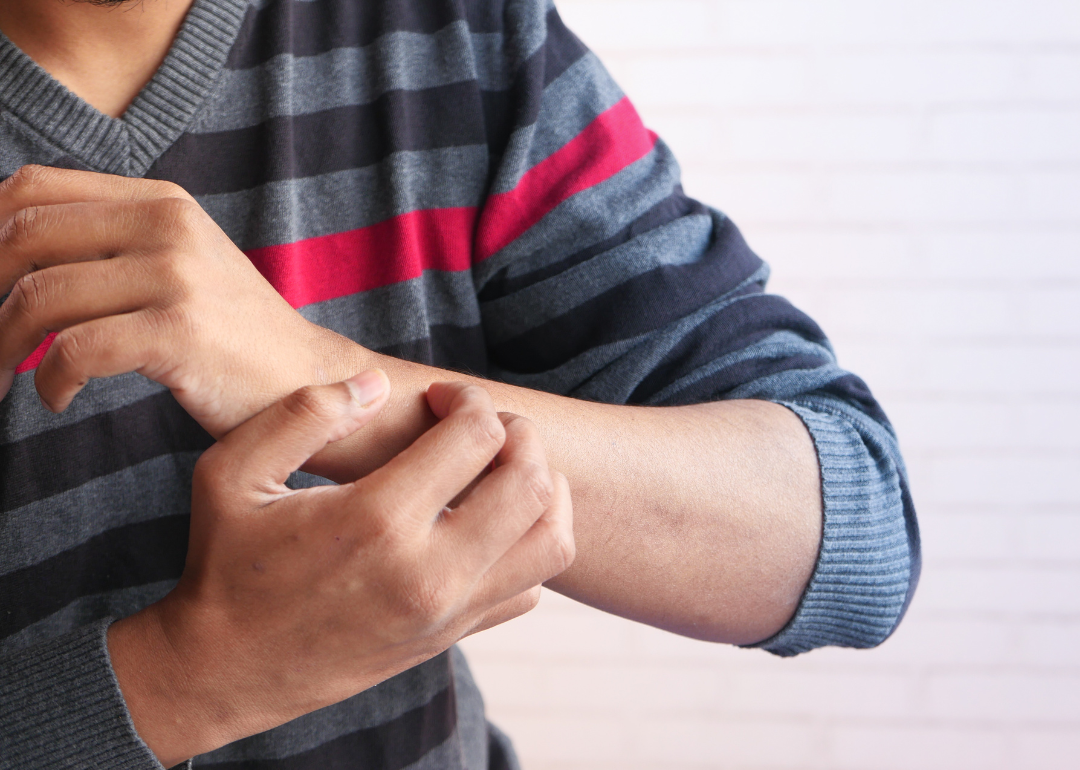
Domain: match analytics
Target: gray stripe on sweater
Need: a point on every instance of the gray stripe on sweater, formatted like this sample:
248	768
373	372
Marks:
676	243
342	77
373	707
782	344
296	209
610	373
97	397
437	297
402	312
87	609
588	218
471	733
526	31
44	528
70	124
168	104
19	146
568	105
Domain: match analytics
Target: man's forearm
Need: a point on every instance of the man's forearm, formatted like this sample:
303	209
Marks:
704	520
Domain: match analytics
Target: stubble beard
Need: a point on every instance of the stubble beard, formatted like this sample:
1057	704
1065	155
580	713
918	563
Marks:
107	3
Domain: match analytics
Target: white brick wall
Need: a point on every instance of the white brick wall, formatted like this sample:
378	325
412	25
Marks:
911	170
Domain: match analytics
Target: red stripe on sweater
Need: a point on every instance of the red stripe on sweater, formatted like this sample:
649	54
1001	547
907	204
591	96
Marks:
608	145
399	249
402	248
332	266
35	358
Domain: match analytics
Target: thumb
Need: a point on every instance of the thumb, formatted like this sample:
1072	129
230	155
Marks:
281	438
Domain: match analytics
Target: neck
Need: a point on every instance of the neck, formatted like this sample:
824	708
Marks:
104	54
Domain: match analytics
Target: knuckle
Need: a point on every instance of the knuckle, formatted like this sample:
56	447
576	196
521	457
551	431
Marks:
183	215
473	396
522	430
208	465
560	547
471	391
22	226
164	189
485	428
516	422
310	402
210	469
30	294
69	346
427	603
537	481
26	178
383	523
175	276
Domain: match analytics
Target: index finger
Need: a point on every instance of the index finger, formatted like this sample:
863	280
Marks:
47	186
505	503
431	472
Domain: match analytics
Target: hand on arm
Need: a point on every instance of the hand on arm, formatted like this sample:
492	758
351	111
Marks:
704	520
293	600
133	275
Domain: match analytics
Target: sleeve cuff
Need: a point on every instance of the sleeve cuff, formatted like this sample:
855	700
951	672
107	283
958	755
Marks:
857	593
61	707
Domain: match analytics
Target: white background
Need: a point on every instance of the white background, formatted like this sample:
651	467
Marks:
911	170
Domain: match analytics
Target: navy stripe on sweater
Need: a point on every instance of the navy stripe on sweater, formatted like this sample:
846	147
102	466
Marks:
456	182
305	28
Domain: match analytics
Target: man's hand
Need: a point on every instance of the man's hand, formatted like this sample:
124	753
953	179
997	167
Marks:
293	600
135	276
702	519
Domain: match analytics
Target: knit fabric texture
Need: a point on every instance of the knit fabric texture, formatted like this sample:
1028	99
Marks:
454	182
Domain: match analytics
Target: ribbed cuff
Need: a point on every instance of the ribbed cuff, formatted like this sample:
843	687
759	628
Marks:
856	594
61	707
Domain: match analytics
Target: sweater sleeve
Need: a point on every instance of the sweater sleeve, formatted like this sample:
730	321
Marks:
599	278
60	707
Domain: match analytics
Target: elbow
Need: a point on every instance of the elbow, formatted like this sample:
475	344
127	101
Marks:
869	563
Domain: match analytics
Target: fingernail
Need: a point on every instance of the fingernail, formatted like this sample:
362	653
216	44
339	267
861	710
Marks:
367	387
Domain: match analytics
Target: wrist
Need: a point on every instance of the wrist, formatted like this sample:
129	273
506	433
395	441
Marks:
400	422
178	704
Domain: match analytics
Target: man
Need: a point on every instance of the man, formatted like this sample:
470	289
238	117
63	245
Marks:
413	185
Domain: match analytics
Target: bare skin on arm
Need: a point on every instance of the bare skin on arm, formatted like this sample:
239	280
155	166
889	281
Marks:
704	520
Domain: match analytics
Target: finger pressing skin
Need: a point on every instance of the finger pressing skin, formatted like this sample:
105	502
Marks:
260	454
443	461
38	237
45	186
504	504
543	552
64	296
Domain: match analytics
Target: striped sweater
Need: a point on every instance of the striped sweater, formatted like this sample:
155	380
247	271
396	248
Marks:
455	182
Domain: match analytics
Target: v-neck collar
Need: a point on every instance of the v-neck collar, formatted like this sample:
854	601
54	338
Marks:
163	109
